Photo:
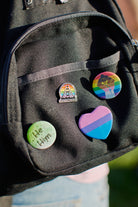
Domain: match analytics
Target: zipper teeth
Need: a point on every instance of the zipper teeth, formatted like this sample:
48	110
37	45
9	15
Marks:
33	28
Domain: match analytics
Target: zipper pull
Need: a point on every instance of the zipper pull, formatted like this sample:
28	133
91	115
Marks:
134	42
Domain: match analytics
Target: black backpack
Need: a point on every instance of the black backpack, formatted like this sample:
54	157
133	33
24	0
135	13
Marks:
51	53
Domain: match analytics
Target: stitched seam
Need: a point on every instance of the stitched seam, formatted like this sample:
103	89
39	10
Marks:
68	68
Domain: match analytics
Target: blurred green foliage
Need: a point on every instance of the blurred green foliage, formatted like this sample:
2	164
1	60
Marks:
123	180
127	161
123	188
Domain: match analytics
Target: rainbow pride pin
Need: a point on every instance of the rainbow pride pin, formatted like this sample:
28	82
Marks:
107	85
67	93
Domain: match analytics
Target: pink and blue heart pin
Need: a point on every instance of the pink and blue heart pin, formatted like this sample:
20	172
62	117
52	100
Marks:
97	124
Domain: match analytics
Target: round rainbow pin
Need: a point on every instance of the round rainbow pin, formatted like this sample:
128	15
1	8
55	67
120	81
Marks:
107	85
67	93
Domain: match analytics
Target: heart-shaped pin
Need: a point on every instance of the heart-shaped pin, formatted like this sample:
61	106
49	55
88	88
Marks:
97	124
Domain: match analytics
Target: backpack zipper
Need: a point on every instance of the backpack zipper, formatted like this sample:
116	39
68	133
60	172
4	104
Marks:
134	42
33	28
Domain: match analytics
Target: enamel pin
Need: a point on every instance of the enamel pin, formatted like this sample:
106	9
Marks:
67	93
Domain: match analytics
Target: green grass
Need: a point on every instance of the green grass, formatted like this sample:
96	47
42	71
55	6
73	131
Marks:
123	188
123	180
127	161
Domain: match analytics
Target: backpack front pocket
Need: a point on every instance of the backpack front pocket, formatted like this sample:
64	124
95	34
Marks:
71	49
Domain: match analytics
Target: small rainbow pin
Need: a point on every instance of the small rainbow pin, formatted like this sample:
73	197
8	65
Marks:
67	93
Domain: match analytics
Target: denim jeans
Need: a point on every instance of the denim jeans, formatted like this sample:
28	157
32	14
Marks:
64	192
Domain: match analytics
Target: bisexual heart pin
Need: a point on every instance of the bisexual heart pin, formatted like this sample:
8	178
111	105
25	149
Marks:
97	124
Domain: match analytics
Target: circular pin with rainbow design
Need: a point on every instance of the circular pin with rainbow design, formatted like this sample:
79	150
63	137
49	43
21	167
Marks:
67	93
107	85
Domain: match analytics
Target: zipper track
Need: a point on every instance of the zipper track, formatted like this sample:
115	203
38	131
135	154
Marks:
33	28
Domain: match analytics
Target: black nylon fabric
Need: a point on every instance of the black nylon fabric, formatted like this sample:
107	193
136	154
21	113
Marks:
71	43
14	17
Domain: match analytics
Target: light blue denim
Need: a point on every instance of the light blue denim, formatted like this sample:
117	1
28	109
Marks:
64	192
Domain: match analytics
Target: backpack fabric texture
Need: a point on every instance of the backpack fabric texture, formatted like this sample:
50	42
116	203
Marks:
43	45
